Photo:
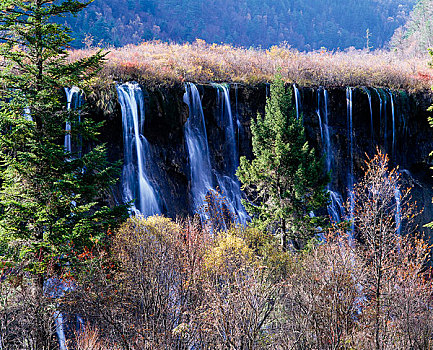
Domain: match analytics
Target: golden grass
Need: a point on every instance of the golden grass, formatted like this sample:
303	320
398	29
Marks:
158	63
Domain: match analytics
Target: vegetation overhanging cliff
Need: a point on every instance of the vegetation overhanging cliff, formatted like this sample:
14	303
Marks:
160	64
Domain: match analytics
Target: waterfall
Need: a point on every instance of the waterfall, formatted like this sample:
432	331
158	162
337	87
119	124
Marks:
137	188
319	90
397	196
327	138
230	145
323	124
380	108
59	324
28	116
380	102
198	148
371	113
56	288
238	122
393	124
297	100
268	89
74	101
227	180
385	117
336	205
349	101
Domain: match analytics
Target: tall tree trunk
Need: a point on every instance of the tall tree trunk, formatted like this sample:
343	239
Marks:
377	311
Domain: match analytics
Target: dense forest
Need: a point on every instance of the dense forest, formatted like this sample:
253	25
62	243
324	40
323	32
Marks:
415	38
303	24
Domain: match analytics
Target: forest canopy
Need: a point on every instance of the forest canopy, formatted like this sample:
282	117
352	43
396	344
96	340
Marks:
305	25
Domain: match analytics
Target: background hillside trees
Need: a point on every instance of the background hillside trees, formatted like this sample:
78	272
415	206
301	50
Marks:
303	24
416	37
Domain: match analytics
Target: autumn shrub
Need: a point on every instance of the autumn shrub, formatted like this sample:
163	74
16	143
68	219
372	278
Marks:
239	300
396	313
89	338
173	285
157	63
368	293
382	214
25	316
267	250
178	285
321	298
144	292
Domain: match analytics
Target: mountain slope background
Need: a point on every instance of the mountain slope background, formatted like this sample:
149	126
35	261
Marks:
416	37
304	24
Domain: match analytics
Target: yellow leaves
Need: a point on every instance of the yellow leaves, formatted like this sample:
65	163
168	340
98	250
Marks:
282	52
200	43
229	251
139	231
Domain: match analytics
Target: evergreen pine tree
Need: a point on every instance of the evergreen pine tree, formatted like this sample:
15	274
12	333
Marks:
51	200
285	181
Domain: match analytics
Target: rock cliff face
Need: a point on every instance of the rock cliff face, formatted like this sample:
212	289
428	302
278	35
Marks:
406	137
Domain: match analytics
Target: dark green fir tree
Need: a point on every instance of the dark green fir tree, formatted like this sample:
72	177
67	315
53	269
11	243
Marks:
285	181
52	201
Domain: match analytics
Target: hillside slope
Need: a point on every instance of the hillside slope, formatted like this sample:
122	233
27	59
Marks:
416	37
303	24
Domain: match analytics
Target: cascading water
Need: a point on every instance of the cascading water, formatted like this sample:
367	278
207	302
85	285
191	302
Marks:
397	192
393	124
326	129
28	116
56	288
297	100
336	206
397	196
227	180
318	113
268	89
198	149
240	128
226	118
350	179
381	112
137	188
380	103
371	113
74	101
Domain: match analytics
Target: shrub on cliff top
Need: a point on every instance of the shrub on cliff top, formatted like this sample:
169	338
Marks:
157	63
